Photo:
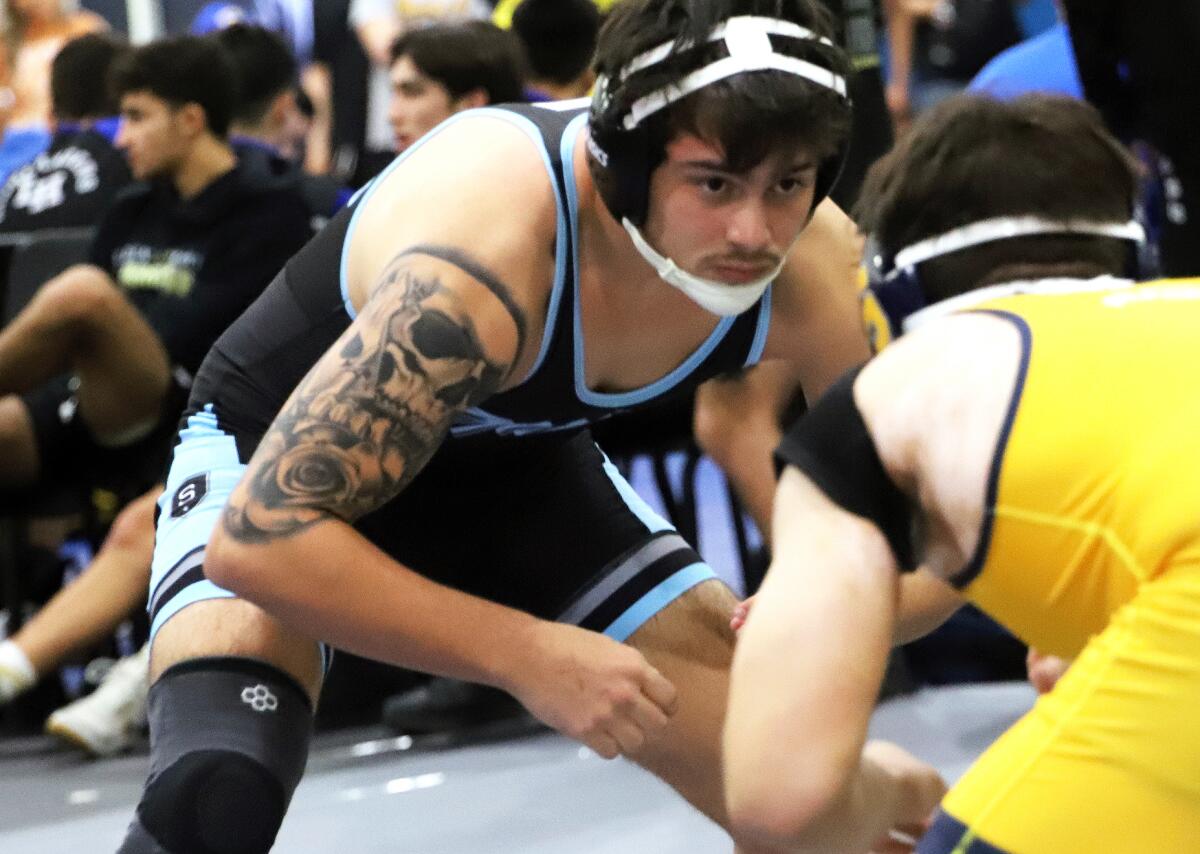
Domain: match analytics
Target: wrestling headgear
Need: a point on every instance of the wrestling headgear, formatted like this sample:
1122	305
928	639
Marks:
622	145
891	290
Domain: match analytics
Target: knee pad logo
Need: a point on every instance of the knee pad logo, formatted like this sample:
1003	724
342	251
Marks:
259	698
189	494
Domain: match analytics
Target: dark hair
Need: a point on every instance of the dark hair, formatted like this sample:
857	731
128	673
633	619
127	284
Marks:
749	115
79	75
181	70
559	37
466	56
263	65
972	158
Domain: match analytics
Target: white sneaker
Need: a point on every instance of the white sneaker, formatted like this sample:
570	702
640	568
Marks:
16	673
108	720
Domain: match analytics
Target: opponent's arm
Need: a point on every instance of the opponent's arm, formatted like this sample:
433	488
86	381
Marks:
805	676
925	602
438	334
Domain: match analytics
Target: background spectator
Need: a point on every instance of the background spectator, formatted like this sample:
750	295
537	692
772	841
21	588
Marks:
935	47
268	128
1042	63
442	69
378	23
559	38
73	182
31	34
1137	62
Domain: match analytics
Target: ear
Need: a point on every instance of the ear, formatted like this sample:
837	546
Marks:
192	118
469	100
282	108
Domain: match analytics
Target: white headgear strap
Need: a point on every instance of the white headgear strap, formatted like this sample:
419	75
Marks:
1003	227
747	39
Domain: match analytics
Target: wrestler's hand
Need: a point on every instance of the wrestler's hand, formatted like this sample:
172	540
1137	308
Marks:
740	612
920	788
593	689
1045	670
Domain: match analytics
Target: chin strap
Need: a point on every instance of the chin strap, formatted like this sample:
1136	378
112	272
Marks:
715	297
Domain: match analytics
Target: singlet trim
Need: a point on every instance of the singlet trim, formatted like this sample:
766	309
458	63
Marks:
563	236
655	389
531	130
971	571
764	327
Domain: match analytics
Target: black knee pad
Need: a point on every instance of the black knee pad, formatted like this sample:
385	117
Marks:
228	743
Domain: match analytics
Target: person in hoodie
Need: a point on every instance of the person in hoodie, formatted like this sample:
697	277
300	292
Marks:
94	370
72	183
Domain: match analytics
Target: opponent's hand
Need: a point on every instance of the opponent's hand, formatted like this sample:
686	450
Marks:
593	689
920	788
1045	670
740	612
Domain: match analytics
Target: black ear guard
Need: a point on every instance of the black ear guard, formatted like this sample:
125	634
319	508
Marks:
618	135
890	287
887	295
625	154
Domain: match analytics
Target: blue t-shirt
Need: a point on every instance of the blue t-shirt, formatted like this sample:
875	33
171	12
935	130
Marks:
1044	63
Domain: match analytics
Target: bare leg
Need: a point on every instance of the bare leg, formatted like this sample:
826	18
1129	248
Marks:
18	447
81	322
237	628
690	643
219	781
103	595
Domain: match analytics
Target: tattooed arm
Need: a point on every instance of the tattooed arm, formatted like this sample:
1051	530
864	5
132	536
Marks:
438	334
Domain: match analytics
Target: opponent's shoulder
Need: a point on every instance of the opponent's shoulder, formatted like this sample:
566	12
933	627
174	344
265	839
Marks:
944	383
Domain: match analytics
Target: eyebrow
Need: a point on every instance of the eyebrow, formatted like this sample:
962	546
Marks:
722	166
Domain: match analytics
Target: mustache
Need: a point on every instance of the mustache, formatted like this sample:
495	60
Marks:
756	260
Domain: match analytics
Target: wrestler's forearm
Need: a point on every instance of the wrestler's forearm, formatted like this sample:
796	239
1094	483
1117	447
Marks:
805	675
333	584
926	602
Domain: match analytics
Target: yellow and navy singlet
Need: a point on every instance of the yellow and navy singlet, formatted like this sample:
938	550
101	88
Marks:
1091	550
1085	498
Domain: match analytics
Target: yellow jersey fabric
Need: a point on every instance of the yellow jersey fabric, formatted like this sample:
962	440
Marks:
1091	550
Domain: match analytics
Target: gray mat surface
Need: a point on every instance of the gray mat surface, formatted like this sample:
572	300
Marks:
536	795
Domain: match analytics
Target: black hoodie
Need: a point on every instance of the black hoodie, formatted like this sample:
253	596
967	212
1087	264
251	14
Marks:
191	266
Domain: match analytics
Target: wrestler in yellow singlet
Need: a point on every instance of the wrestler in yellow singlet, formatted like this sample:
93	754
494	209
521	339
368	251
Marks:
1094	551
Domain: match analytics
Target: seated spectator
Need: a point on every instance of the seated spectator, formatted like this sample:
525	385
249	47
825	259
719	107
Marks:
267	122
175	261
378	23
72	183
80	615
95	365
442	69
296	22
559	38
31	34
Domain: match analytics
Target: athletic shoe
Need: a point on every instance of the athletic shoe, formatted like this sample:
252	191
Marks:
108	720
16	673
